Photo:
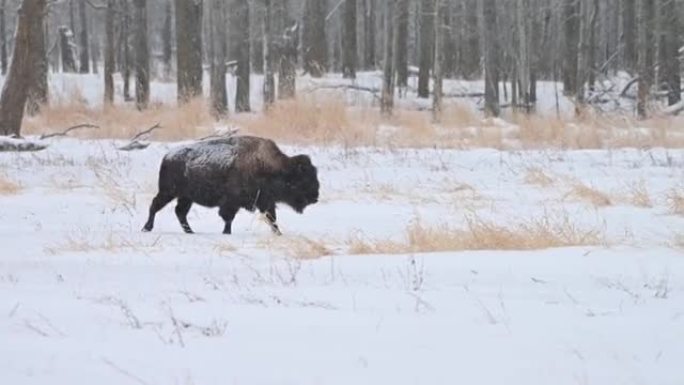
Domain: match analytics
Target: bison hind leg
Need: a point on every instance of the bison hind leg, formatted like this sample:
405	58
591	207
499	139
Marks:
158	203
182	209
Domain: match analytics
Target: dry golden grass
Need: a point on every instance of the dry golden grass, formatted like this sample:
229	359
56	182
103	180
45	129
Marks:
85	242
639	196
327	119
675	201
536	176
582	192
481	234
297	247
191	120
8	186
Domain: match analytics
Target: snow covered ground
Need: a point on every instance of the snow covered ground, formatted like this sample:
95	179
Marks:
85	297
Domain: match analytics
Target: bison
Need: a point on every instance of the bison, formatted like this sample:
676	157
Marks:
232	173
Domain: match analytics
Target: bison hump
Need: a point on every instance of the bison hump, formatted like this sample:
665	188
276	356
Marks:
207	154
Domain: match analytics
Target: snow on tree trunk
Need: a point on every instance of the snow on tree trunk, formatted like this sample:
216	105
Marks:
189	49
23	67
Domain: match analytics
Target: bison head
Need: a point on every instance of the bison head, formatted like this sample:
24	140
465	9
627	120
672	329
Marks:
301	183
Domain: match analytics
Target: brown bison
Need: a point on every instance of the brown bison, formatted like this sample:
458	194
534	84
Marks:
233	173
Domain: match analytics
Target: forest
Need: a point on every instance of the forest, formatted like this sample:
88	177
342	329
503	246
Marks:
585	45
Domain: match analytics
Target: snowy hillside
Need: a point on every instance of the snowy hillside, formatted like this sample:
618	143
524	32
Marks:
593	296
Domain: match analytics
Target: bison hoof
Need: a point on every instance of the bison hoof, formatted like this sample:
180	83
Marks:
146	229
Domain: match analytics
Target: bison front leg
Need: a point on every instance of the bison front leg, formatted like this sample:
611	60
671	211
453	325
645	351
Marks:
271	218
227	213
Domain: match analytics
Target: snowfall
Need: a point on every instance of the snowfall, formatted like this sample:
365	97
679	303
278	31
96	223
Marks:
86	297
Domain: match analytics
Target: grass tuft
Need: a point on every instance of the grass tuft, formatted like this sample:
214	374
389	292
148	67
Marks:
675	201
8	186
588	194
480	234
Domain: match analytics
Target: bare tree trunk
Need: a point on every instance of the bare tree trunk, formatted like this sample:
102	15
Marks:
3	37
167	39
72	15
387	96
369	34
522	18
38	90
349	61
269	76
672	42
24	66
629	35
288	57
217	23
582	55
66	50
591	47
242	35
536	38
440	32
125	34
402	44
471	56
314	41
109	53
189	49
646	23
142	56
84	42
571	35
490	34
427	34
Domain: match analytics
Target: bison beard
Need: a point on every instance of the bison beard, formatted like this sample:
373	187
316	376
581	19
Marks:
233	173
